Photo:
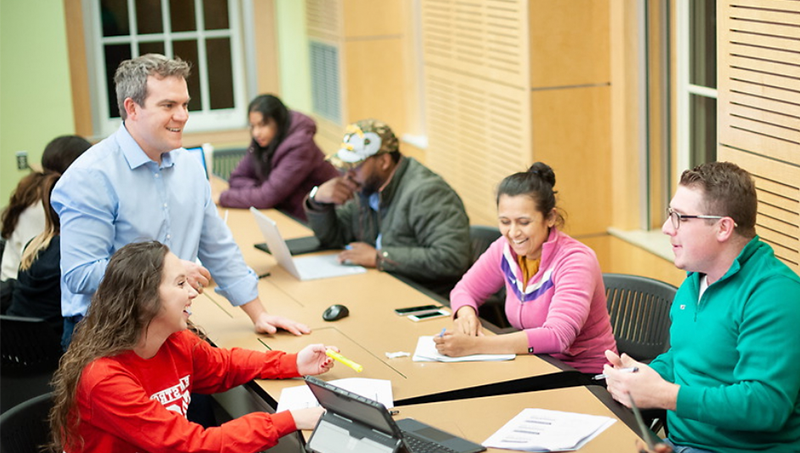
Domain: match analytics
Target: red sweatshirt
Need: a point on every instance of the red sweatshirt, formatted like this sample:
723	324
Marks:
129	404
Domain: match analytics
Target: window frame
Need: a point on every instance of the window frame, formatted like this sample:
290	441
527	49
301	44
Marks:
240	33
684	90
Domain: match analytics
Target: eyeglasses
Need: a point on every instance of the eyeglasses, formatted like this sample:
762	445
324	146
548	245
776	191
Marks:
677	217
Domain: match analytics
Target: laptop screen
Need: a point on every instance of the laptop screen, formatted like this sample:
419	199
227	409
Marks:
197	151
350	405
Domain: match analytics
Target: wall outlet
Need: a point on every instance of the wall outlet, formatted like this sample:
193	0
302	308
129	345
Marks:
22	160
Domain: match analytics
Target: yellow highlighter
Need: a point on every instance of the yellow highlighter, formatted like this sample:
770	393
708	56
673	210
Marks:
343	360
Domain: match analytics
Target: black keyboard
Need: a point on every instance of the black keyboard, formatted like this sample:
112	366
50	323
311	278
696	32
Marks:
418	445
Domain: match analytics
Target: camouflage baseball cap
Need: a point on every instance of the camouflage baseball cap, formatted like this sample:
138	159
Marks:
363	139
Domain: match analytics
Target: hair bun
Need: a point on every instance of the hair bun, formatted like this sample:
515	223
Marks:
543	171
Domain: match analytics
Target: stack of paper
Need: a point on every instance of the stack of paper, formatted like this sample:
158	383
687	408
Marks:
426	352
546	430
300	397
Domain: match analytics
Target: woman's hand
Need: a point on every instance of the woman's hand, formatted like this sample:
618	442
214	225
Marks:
467	321
307	418
312	360
456	344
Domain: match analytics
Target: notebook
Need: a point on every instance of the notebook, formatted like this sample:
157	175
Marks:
353	423
304	268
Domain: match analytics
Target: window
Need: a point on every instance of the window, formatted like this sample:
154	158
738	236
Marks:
203	32
697	83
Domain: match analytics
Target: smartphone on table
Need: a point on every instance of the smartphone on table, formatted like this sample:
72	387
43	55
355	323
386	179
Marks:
422	316
417	309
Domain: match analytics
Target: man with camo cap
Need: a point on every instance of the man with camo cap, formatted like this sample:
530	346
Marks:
390	212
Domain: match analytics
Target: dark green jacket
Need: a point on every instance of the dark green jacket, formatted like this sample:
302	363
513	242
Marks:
425	229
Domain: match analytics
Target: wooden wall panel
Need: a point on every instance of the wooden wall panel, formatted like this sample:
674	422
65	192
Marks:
759	110
567	40
618	256
266	48
325	20
571	134
778	187
477	106
486	39
368	18
374	78
477	135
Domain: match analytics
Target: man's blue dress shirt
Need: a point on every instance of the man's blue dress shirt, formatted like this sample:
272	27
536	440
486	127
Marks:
114	195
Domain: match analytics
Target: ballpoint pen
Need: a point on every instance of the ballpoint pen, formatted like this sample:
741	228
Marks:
441	334
632	369
343	360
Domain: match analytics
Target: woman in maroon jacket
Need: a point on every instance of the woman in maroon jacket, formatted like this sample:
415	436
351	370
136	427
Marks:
282	163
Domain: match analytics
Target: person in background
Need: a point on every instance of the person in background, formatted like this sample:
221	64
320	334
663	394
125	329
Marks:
139	183
391	212
730	381
282	163
37	293
554	287
124	385
24	217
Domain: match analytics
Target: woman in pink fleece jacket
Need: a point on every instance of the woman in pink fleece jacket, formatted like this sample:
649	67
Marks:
554	287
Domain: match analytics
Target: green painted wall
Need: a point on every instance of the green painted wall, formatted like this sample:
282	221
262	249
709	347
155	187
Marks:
293	60
35	93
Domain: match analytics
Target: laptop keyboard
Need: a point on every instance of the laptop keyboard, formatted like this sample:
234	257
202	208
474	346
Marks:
417	445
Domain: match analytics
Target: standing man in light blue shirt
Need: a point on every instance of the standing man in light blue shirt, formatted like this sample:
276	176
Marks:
140	184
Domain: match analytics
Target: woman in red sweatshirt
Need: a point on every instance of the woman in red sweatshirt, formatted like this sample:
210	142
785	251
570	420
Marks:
126	380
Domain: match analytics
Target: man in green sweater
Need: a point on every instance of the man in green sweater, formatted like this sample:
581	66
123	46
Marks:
731	379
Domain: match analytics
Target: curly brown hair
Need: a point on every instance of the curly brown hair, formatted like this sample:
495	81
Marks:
125	303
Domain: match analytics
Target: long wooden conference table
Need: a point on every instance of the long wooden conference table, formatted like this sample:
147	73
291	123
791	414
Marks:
466	398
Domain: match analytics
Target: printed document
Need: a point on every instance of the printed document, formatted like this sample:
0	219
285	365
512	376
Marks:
426	352
546	430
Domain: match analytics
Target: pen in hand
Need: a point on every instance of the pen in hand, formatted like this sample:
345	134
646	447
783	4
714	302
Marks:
441	334
632	369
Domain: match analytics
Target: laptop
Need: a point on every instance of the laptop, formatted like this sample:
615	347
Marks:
199	153
303	268
354	423
300	246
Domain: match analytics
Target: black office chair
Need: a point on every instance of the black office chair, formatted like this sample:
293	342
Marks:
24	428
639	309
30	351
226	160
493	310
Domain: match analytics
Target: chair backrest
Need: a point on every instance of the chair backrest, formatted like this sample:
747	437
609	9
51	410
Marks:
639	309
28	346
24	428
480	238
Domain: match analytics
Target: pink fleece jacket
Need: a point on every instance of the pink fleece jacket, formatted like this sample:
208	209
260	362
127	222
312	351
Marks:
562	309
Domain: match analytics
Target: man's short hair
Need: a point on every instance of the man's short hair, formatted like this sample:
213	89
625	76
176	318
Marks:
131	76
728	190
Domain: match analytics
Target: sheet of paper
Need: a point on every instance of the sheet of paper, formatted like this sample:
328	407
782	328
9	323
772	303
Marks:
300	397
546	430
426	352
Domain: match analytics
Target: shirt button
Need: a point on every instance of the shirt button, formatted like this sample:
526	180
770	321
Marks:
165	205
156	175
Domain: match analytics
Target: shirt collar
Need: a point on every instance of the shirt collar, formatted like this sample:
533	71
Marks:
134	154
